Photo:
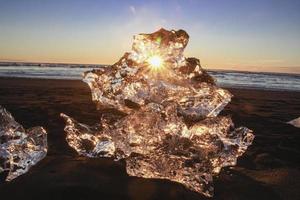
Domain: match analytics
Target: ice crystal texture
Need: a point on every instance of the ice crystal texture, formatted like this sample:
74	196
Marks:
159	112
20	149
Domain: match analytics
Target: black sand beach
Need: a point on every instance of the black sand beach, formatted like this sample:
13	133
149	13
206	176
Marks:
268	170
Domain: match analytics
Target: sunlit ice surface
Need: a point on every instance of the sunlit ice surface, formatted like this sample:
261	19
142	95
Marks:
20	149
164	122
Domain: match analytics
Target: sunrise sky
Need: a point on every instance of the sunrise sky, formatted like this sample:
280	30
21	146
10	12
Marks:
226	34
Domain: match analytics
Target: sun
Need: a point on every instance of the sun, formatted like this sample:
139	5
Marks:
155	62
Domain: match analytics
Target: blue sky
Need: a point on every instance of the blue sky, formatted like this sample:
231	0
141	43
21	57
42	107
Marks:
231	34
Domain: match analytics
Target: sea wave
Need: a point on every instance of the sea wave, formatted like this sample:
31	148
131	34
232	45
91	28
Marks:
266	81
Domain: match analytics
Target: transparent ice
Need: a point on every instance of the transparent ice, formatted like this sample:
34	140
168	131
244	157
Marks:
163	121
20	149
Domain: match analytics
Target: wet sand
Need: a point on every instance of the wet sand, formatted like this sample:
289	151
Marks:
268	170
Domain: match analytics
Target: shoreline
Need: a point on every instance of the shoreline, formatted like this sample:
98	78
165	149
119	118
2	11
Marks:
225	86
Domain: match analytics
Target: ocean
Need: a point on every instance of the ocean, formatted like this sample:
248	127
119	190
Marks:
233	79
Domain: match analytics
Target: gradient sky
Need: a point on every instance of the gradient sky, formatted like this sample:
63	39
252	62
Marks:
232	34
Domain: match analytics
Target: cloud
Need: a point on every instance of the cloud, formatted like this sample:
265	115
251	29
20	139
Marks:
132	9
271	61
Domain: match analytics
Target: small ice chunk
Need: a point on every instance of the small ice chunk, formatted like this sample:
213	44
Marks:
295	122
20	149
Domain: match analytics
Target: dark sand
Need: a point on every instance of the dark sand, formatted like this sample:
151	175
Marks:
268	170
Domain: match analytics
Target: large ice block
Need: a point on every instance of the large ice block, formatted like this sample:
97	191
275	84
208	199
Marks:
163	115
